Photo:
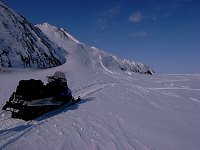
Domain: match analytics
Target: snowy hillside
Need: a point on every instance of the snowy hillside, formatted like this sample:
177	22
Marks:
93	57
22	45
127	112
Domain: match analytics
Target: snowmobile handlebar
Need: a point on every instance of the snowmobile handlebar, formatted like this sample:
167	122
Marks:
56	78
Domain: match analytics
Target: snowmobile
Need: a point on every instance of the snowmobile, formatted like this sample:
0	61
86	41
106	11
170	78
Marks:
32	98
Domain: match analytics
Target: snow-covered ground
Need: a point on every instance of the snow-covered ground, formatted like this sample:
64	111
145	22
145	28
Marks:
117	112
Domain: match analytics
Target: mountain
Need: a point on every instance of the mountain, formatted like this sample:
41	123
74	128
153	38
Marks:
91	56
23	45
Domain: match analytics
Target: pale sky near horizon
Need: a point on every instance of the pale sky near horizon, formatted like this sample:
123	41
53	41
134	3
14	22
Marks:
164	34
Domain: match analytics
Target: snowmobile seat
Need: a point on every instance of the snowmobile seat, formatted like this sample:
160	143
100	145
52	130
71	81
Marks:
29	90
58	90
57	87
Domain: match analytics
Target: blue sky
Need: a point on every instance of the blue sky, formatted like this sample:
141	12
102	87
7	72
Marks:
164	34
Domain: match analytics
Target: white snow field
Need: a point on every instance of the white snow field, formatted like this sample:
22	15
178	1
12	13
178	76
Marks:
117	112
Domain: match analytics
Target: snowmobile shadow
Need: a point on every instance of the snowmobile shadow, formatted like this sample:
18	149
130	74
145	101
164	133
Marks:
74	107
16	129
8	136
63	109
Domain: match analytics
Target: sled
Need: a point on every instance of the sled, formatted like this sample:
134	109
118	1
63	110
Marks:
32	98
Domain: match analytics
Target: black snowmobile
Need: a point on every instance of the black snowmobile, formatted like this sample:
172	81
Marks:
32	98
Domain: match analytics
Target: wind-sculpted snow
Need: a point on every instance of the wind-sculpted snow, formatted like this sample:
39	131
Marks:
118	112
22	45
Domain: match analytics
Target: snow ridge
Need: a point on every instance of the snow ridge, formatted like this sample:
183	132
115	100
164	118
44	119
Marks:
23	45
92	56
60	31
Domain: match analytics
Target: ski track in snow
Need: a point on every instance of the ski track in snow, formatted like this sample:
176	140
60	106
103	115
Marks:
18	128
12	129
90	89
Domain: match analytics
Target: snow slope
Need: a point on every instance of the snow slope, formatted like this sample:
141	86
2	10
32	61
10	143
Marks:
22	45
93	57
117	112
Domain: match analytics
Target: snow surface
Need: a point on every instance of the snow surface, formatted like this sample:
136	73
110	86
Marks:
117	112
91	56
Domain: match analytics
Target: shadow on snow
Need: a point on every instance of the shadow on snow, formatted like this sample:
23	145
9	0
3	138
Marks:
63	109
40	119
